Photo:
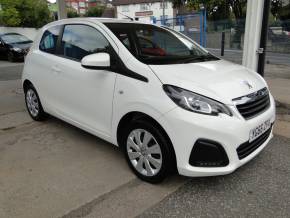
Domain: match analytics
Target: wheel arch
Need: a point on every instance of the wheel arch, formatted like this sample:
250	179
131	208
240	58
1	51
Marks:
26	84
136	115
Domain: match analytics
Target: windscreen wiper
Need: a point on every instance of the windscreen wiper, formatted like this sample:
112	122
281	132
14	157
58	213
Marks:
200	58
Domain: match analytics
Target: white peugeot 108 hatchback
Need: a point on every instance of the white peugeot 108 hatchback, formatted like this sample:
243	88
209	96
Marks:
167	102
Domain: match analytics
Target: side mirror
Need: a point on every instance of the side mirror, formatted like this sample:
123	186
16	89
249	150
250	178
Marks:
98	61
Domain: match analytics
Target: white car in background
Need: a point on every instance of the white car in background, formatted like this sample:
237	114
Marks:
167	102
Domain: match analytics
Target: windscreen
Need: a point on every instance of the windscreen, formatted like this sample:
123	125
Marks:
15	38
155	45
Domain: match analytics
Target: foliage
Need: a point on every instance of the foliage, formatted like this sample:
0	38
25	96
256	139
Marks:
10	17
235	12
221	10
25	13
284	12
285	16
95	11
71	12
276	6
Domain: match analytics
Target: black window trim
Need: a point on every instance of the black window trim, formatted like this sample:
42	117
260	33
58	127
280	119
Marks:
119	68
54	53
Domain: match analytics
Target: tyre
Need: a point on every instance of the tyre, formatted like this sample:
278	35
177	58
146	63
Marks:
33	104
10	57
147	151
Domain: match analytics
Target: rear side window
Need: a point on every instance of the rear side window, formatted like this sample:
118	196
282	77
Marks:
49	40
81	40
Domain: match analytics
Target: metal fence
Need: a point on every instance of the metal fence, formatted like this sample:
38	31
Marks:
193	25
279	37
209	33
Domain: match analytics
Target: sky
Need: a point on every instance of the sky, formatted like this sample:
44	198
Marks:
52	1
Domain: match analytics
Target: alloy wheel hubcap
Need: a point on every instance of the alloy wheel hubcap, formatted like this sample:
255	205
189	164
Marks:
144	152
32	102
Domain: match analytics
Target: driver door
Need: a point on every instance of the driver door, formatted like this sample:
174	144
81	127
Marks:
84	95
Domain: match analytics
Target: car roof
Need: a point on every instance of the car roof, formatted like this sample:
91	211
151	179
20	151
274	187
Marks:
92	19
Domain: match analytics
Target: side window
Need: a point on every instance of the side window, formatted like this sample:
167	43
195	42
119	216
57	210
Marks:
81	40
124	37
49	40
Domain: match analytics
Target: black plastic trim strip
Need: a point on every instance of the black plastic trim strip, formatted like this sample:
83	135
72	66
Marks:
96	67
122	69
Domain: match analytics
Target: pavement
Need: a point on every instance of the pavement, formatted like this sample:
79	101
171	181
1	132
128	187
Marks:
52	169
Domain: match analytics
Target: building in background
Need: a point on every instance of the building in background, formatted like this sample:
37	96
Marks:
81	6
143	10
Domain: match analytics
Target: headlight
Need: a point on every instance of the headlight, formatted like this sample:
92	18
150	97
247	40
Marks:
194	102
17	49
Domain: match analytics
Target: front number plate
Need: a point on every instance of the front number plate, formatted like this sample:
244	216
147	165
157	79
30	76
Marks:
259	130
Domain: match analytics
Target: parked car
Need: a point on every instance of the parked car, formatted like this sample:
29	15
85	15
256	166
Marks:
182	108
14	46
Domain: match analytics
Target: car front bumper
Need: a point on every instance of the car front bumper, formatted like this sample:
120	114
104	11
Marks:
185	128
19	55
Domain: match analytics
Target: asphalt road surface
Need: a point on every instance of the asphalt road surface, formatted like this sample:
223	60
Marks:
259	189
10	71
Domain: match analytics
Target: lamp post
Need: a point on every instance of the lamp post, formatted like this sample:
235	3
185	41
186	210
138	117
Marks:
263	38
61	11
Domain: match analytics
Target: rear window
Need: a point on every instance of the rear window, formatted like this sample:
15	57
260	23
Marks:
15	39
49	40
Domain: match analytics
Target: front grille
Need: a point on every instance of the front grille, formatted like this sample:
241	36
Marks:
247	148
253	104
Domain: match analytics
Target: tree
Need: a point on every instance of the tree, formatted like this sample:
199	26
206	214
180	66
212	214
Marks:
221	9
95	11
71	12
276	6
239	8
284	15
10	17
31	13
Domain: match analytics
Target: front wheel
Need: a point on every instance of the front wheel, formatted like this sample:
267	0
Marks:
147	151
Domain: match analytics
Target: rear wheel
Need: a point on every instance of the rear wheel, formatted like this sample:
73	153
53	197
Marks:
33	104
147	151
